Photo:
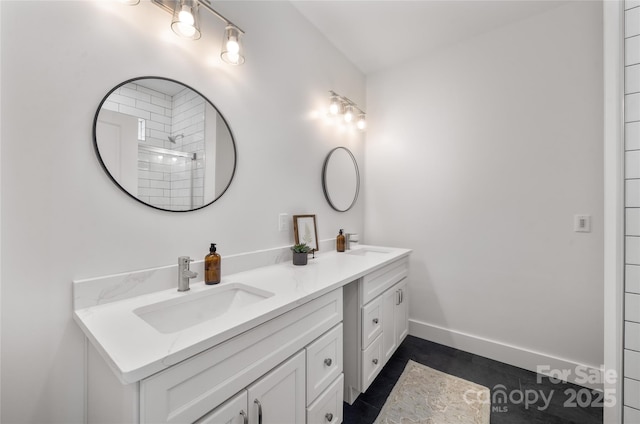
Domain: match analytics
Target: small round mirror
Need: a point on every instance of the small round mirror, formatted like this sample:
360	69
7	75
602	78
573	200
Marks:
341	179
164	144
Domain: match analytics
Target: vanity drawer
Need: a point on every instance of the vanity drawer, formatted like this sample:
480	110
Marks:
327	409
190	389
372	362
377	282
324	362
371	321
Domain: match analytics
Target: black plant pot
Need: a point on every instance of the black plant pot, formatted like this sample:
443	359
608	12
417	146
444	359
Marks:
300	258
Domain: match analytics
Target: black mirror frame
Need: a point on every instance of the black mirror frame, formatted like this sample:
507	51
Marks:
106	170
324	179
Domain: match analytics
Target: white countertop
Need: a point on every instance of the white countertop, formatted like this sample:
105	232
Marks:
135	350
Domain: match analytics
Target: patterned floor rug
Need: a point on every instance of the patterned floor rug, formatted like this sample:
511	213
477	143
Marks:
427	396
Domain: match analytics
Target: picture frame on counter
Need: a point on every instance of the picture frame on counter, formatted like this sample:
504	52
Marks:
305	230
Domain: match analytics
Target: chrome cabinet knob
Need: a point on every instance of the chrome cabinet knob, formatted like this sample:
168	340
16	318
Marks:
328	362
375	320
329	416
375	361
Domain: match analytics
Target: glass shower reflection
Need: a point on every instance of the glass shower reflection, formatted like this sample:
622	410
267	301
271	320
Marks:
170	179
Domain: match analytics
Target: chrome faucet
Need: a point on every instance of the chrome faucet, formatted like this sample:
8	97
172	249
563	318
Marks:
350	238
184	273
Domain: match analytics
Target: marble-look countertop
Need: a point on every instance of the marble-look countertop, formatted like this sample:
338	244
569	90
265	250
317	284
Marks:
135	350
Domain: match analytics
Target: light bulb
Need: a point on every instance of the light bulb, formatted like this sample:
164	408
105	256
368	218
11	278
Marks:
185	16
362	123
231	48
348	114
185	20
334	108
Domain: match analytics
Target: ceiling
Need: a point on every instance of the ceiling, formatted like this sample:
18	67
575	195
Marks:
377	34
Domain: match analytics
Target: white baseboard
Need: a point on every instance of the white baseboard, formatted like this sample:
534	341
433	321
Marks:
580	374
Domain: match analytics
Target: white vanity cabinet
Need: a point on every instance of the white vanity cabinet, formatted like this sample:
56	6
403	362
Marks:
278	397
319	334
312	377
375	323
269	362
189	390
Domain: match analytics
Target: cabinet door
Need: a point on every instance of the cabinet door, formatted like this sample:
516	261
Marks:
233	411
390	302
279	397
401	318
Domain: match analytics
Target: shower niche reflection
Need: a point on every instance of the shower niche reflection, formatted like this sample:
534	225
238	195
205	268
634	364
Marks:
164	144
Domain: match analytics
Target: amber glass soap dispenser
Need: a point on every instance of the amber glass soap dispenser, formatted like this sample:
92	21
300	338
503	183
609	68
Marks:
340	241
212	266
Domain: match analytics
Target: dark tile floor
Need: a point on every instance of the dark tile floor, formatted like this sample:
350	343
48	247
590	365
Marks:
549	402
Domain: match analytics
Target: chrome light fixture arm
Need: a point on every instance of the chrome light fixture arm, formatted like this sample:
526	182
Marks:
186	24
169	6
342	105
207	5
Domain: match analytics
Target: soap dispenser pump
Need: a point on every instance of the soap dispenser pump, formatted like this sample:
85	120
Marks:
340	241
212	266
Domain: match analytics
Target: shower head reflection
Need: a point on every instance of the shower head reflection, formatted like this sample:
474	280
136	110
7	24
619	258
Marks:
174	138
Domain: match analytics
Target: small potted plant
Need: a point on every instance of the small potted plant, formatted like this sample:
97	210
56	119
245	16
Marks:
300	253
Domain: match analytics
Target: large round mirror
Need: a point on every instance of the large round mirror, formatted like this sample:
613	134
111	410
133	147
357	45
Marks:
164	144
341	179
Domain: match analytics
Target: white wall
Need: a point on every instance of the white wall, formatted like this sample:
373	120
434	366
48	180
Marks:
477	157
63	219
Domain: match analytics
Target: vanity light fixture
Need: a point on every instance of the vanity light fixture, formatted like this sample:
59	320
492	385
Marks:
186	23
335	105
232	52
343	105
186	19
348	113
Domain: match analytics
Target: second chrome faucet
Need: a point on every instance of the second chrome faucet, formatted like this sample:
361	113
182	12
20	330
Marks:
184	273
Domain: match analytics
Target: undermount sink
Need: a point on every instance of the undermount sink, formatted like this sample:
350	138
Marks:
365	251
191	309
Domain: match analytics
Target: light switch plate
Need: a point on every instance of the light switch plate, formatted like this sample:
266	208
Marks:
283	222
582	223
